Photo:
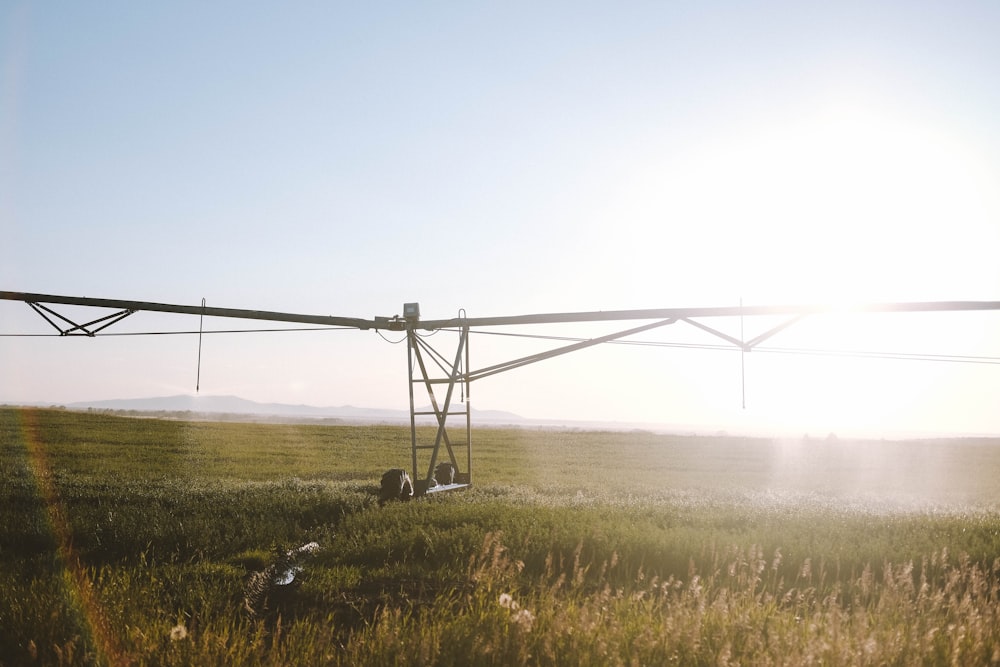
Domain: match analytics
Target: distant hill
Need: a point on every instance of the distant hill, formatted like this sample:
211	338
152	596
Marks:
234	405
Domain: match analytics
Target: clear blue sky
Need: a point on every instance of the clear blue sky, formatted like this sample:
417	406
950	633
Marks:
508	158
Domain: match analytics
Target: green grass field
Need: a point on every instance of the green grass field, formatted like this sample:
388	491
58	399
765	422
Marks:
128	541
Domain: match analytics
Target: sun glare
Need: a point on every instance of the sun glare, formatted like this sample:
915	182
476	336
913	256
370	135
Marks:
851	203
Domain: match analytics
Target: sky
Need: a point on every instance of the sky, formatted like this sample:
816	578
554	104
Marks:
502	159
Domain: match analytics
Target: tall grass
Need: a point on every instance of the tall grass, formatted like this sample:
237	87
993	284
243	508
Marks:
604	564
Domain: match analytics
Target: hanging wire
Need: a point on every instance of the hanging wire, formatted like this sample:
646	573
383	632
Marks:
430	334
201	320
391	342
461	366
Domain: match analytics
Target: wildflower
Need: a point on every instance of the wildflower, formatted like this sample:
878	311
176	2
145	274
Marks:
178	632
524	619
508	602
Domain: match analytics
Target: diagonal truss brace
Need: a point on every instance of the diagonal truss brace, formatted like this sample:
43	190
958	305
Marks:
530	359
78	329
749	345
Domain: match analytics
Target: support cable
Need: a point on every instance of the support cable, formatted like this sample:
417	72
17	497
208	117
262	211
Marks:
952	358
899	356
530	359
439	359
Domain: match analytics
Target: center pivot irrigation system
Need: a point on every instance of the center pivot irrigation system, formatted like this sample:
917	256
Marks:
436	371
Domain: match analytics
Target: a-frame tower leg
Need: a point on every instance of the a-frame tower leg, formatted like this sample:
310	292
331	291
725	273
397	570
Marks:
453	374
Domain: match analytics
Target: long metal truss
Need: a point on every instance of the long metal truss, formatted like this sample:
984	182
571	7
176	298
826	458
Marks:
436	371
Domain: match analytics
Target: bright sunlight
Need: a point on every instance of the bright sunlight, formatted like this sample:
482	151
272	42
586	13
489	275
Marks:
848	204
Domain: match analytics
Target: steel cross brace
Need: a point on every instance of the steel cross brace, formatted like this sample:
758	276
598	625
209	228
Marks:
83	329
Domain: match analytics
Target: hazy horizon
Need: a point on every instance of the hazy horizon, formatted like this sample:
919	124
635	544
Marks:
236	407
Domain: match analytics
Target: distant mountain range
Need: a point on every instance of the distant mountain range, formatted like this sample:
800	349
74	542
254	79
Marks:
234	405
234	408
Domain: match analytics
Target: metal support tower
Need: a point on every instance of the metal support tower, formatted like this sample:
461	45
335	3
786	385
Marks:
451	375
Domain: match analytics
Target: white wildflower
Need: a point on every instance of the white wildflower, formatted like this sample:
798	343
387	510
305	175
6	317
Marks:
508	602
524	619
